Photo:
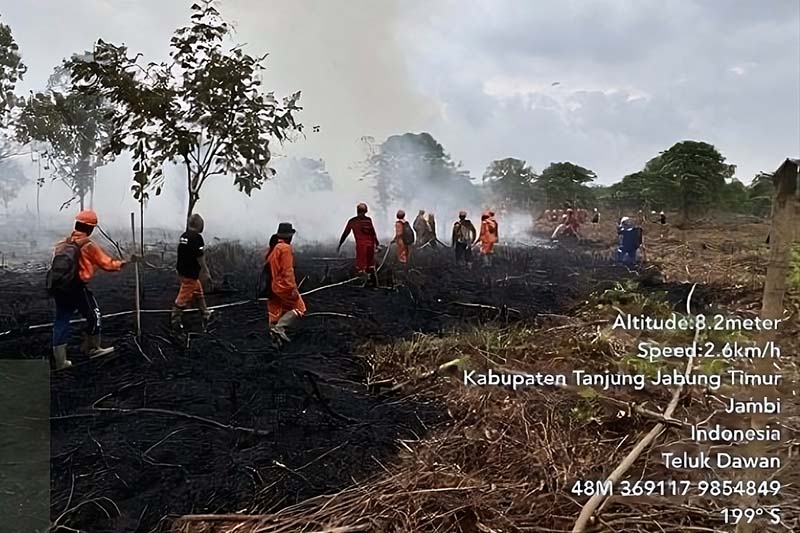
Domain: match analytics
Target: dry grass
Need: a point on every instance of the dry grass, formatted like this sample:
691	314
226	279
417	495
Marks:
507	460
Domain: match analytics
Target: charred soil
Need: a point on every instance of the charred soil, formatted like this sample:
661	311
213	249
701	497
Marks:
228	422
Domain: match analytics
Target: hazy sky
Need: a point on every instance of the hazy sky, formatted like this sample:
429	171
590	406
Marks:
603	83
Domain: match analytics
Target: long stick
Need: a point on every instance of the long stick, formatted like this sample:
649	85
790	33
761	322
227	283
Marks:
141	236
594	502
136	271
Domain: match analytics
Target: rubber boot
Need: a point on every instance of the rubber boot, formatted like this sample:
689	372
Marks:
176	322
208	318
95	350
60	357
285	321
373	279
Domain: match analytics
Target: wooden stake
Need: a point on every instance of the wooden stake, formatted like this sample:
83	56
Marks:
136	271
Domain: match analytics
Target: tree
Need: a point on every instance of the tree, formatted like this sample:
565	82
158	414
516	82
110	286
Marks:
11	71
510	181
698	170
203	110
414	166
303	175
646	190
761	192
562	183
73	126
12	179
735	197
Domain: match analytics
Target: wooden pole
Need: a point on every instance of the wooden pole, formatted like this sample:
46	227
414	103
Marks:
141	239
136	271
784	231
141	225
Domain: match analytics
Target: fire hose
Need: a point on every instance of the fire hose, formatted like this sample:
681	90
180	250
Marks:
164	311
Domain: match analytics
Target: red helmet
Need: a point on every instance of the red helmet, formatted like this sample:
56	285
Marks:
361	208
88	217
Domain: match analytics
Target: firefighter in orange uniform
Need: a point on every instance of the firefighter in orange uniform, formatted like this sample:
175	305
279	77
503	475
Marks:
488	237
366	242
284	305
75	260
401	238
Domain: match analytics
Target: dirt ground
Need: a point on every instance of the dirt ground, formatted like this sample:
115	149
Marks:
122	436
234	424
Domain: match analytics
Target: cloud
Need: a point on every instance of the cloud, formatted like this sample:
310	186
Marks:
633	77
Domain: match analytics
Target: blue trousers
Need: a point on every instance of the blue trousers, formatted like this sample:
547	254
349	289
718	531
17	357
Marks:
626	256
78	299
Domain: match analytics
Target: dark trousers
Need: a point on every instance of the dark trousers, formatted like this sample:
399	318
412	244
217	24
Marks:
463	252
78	299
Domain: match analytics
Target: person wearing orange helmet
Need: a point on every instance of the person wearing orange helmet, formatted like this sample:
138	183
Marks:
75	260
284	304
366	242
488	237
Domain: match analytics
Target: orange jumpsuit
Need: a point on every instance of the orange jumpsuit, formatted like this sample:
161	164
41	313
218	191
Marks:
402	247
92	257
488	235
285	297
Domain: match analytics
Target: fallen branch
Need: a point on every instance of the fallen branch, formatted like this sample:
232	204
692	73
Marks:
136	342
176	414
484	306
311	378
594	502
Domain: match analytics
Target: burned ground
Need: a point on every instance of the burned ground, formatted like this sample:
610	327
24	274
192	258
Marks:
235	424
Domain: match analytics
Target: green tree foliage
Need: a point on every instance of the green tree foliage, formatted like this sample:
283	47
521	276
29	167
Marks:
698	170
205	109
12	178
760	192
510	182
735	197
11	71
297	175
74	128
404	166
645	190
691	177
562	183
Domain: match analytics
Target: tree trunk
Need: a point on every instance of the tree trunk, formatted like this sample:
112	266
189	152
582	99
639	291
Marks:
192	201
191	189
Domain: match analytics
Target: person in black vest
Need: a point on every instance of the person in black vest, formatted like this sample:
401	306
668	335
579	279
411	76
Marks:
464	237
191	267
